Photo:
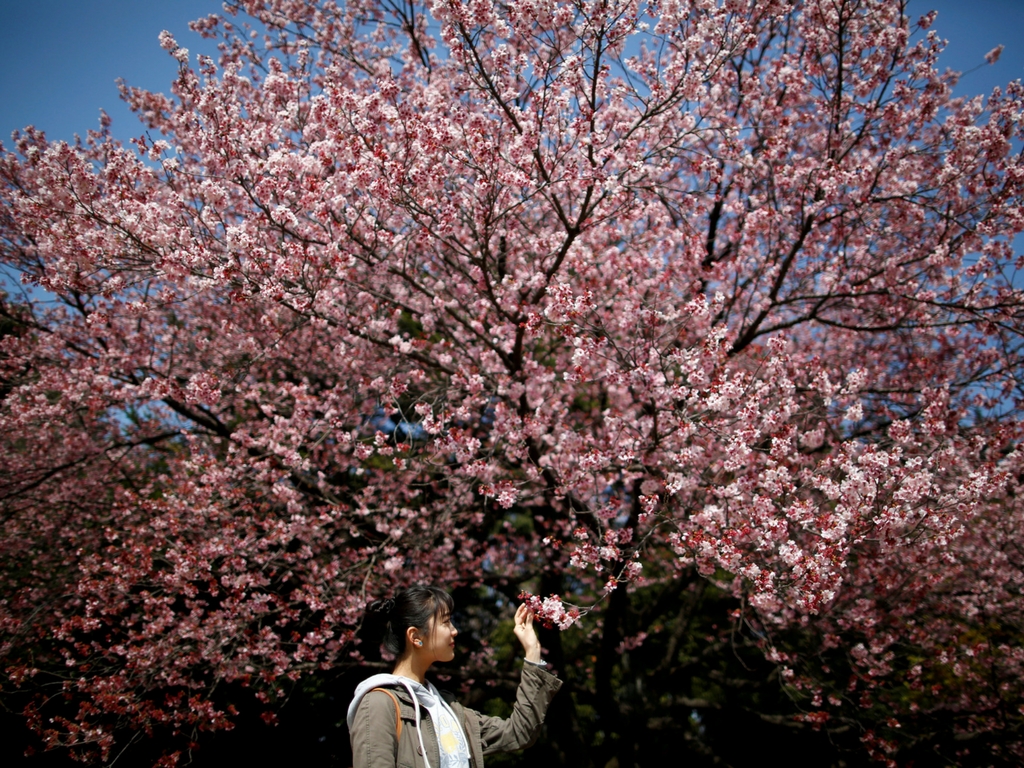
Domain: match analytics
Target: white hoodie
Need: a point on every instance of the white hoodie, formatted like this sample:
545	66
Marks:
452	745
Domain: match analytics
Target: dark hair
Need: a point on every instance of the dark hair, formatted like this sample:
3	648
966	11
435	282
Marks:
413	607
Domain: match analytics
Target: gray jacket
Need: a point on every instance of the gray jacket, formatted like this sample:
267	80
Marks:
373	727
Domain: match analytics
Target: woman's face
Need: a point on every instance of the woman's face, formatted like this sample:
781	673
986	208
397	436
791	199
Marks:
439	644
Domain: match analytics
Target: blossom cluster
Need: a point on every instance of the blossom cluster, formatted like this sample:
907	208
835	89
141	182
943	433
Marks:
592	297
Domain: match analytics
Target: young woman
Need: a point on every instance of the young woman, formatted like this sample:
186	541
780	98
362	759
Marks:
402	720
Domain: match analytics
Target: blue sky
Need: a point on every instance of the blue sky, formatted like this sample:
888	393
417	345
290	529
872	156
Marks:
59	59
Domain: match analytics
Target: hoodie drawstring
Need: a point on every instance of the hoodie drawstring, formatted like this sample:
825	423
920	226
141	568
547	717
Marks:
419	731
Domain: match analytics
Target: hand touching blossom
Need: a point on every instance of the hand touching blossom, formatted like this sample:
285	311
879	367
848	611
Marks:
526	634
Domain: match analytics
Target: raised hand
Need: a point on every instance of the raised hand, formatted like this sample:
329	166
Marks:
526	634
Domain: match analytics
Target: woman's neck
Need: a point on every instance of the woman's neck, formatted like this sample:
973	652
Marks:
407	666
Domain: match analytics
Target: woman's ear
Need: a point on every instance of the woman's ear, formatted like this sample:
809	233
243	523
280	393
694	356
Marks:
412	638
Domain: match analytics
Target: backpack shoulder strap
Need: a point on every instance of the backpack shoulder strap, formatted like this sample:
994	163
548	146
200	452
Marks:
398	711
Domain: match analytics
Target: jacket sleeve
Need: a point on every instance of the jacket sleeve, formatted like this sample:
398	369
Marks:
373	735
536	689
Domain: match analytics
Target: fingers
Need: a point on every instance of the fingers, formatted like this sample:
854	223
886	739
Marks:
526	634
524	617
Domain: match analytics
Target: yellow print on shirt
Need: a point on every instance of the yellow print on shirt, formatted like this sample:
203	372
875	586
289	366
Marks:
449	743
448	736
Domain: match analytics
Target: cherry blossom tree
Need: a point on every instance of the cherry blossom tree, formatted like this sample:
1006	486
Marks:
608	302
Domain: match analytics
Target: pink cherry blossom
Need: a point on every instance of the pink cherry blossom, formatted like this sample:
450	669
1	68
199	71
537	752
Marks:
578	299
